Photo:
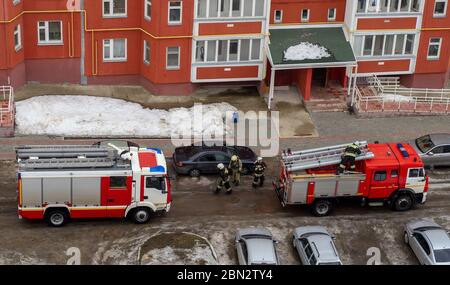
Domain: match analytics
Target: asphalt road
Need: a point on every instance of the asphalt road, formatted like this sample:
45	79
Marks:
196	209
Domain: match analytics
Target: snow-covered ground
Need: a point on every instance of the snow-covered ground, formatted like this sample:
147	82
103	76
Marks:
396	98
97	116
305	50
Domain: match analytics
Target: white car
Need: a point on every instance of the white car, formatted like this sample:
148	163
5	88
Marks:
429	242
315	246
256	246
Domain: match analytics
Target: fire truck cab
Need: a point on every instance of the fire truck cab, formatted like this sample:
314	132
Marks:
57	183
386	174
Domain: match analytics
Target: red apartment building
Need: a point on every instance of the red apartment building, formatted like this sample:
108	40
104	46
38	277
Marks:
172	46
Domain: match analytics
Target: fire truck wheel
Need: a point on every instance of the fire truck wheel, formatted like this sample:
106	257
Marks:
141	215
322	208
194	173
56	218
403	202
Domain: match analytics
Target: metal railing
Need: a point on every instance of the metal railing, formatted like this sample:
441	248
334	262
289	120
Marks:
6	96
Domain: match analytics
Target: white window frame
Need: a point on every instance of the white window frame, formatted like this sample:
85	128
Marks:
334	14
216	55
147	3
47	31
111	51
176	8
439	15
147	45
433	57
275	16
394	43
379	4
111	9
301	15
230	16
18	33
167	58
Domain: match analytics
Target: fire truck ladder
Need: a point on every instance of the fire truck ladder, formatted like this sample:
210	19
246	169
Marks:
59	157
318	157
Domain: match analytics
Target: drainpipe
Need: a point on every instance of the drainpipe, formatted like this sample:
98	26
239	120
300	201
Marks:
83	48
6	44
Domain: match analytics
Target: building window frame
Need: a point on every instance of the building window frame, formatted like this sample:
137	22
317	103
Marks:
111	13
147	52
377	8
46	28
439	46
17	38
278	16
169	52
247	9
148	10
212	59
444	13
170	8
110	44
334	14
408	39
305	19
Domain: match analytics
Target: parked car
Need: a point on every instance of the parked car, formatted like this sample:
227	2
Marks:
315	246
434	149
123	144
429	242
197	160
256	246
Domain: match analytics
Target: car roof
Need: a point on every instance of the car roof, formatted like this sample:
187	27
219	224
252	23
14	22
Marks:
440	139
438	238
260	251
324	247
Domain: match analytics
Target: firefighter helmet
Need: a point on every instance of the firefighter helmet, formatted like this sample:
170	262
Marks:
234	158
220	166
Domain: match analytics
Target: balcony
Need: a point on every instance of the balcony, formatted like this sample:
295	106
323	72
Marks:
388	8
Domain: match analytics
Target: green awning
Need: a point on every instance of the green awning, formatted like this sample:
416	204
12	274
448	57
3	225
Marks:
331	38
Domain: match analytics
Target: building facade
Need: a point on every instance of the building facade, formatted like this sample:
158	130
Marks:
173	46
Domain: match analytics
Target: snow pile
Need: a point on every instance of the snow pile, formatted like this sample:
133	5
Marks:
198	255
396	98
97	116
305	50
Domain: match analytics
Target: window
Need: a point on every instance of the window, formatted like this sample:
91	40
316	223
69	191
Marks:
202	6
224	10
115	50
50	32
305	15
232	50
380	175
146	52
434	48
278	16
378	47
175	12
368	40
230	8
388	6
416	172
409	44
17	38
118	182
422	242
148	9
384	45
173	58
440	7
236	8
332	14
114	8
394	173
399	44
208	158
158	183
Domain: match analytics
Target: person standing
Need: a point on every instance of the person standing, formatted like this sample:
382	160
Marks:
236	169
258	176
224	179
349	158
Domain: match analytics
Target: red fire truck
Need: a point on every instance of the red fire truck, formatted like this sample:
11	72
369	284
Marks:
386	174
57	183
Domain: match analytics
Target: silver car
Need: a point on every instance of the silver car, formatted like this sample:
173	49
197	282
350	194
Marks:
256	246
434	149
315	246
429	242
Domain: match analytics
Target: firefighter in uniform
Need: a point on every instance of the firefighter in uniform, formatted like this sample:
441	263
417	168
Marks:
223	180
258	176
236	169
349	157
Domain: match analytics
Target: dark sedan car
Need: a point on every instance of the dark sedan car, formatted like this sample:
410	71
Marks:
197	160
